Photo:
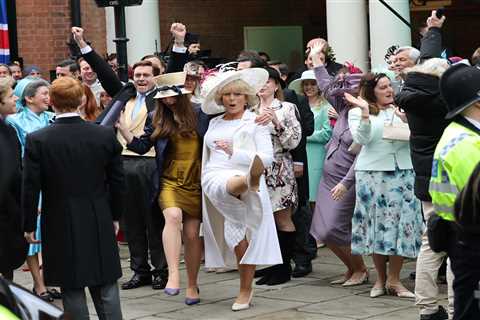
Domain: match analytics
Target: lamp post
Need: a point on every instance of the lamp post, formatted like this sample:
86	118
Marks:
120	32
121	42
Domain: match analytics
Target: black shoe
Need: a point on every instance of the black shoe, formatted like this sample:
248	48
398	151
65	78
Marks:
282	272
263	280
159	282
45	296
441	314
262	272
54	293
413	275
137	281
301	270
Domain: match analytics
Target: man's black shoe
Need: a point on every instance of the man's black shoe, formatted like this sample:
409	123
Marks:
137	281
301	270
441	314
159	283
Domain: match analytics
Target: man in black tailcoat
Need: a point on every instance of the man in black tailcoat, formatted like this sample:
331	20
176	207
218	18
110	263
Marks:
78	168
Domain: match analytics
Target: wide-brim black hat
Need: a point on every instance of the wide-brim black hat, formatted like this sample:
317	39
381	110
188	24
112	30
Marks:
460	88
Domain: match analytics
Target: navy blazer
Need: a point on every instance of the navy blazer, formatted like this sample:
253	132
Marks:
144	143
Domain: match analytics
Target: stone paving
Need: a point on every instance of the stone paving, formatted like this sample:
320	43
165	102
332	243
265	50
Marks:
306	298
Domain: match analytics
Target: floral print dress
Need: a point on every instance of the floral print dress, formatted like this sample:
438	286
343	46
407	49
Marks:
280	178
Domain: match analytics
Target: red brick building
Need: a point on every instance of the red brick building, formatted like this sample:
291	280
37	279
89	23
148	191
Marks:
43	30
43	25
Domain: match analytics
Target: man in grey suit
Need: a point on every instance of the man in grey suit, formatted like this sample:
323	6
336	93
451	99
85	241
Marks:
78	168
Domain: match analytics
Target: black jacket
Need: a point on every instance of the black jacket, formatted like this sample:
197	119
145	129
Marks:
299	154
78	167
426	111
115	88
13	247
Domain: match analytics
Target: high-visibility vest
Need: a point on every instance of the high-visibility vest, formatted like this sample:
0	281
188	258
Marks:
6	314
456	155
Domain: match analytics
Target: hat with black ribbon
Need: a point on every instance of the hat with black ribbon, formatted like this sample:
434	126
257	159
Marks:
170	85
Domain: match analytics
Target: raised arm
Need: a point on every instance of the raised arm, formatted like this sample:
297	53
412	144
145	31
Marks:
107	77
431	46
179	54
359	120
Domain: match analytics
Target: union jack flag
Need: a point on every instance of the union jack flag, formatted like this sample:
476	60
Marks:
4	43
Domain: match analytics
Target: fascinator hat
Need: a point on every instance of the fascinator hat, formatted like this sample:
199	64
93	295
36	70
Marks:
170	85
255	78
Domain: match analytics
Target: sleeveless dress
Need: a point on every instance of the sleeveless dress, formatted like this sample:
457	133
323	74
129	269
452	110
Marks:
180	185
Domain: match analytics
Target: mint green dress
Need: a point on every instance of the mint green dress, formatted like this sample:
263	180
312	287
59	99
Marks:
316	146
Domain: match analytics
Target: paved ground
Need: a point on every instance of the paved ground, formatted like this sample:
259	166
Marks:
302	299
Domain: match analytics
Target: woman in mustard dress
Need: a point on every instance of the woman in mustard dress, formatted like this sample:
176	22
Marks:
176	130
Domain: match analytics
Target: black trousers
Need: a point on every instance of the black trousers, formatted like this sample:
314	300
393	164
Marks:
465	260
105	298
143	219
305	245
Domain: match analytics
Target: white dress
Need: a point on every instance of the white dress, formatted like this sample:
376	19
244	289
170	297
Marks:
227	219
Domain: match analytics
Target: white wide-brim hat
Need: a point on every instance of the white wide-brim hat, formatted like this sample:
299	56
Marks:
254	77
170	85
296	85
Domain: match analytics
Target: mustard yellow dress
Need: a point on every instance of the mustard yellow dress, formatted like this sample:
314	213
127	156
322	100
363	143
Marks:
180	184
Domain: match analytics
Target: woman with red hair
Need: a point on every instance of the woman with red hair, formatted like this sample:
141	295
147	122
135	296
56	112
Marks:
88	110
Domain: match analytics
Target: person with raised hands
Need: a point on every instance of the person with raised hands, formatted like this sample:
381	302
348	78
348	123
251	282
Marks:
133	102
387	220
335	198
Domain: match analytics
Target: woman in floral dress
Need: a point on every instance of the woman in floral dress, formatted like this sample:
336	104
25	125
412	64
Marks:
281	118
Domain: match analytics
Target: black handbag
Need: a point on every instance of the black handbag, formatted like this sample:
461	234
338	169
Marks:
438	231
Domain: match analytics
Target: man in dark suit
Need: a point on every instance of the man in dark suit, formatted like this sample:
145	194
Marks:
13	247
143	219
78	168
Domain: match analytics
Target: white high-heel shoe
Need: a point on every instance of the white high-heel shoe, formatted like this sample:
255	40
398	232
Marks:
255	171
377	292
243	306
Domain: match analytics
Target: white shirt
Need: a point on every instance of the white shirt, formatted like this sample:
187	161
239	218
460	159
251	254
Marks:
67	115
474	122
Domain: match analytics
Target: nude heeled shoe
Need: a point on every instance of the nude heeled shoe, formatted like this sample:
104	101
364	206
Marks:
254	173
243	306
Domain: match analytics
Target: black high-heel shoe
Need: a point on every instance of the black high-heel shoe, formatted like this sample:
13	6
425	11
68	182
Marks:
45	296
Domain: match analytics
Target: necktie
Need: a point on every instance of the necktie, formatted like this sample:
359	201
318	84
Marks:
138	105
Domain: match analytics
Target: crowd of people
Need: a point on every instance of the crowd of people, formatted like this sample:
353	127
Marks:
249	166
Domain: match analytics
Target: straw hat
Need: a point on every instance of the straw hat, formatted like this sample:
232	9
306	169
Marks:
254	77
296	85
170	84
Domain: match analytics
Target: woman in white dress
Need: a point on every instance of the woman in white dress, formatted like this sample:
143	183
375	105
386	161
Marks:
239	228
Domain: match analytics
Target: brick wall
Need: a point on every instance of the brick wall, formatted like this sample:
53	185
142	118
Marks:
220	23
43	29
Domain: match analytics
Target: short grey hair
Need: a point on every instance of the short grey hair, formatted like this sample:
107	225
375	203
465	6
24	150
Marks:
435	67
31	89
414	54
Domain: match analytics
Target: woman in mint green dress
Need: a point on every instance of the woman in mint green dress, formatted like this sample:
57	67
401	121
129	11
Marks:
307	85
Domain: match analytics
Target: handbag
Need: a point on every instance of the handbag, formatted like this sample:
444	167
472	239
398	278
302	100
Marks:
398	131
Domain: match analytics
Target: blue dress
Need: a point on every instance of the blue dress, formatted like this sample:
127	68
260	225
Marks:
316	146
25	122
